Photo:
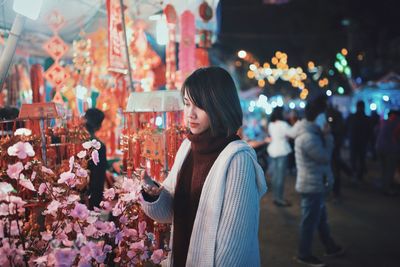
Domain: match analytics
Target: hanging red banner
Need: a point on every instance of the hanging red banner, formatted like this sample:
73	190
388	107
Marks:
187	45
116	44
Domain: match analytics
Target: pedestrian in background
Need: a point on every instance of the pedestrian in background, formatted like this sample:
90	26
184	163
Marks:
313	151
278	151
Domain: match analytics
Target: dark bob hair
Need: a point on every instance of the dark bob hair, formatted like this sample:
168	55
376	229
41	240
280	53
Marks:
315	107
212	89
277	114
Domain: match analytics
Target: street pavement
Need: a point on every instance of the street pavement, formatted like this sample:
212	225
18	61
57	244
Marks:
364	221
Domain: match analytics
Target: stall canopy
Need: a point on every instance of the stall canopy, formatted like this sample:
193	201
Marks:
88	16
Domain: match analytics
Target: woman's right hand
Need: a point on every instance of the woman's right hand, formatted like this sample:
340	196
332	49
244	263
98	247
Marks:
148	185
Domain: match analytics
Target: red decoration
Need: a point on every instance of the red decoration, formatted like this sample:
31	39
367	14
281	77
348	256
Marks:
37	83
55	47
56	75
55	20
170	14
205	11
202	59
170	56
116	43
187	45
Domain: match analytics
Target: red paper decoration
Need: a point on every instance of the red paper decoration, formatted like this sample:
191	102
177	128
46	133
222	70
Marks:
55	20
55	47
56	75
187	46
170	55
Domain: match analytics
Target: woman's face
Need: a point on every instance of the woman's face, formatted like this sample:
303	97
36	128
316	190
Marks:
196	119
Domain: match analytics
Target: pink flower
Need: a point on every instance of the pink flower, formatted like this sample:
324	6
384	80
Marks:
80	211
91	219
21	150
17	201
3	209
28	165
42	188
5	188
129	232
105	227
123	219
131	186
95	157
33	175
109	193
14	170
137	246
90	230
67	177
82	172
64	256
130	197
27	184
87	145
46	236
96	144
80	240
14	231
1	229
106	205
23	132
96	251
41	261
71	163
47	170
93	143
73	198
158	256
52	208
82	154
84	262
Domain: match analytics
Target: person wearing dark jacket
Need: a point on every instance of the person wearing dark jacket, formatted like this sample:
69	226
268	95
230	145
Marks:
359	126
94	118
388	149
313	151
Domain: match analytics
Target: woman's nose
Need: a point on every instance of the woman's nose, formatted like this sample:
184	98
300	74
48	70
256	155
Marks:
192	113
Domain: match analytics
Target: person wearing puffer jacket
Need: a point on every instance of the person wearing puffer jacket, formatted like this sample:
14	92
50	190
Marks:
313	150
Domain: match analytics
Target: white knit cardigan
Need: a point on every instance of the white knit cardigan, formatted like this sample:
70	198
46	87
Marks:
225	230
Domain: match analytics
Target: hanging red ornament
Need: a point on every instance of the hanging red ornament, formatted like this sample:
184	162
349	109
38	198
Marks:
205	11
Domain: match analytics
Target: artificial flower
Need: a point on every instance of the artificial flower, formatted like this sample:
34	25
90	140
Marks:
22	132
14	170
80	211
82	154
157	256
21	150
95	157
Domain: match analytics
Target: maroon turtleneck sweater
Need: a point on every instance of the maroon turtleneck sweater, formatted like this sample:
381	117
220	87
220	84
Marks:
204	151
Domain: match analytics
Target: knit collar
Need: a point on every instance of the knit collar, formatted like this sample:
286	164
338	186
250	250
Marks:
205	143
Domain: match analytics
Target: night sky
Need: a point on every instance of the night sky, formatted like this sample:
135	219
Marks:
316	30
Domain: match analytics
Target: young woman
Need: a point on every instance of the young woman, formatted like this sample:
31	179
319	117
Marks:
212	194
279	150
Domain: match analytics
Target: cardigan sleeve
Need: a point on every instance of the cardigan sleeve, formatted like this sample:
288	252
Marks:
237	235
160	210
